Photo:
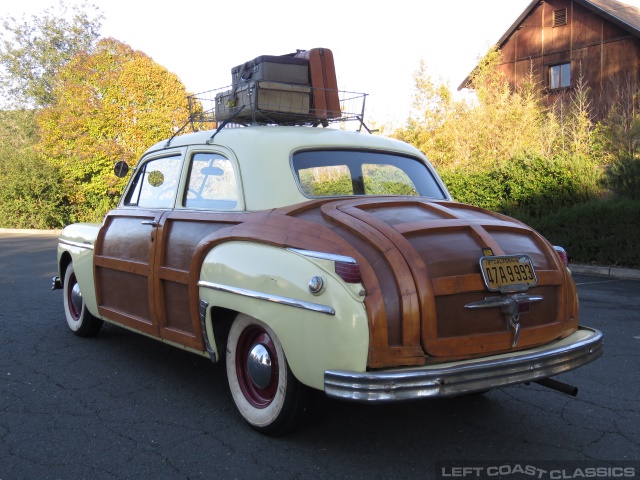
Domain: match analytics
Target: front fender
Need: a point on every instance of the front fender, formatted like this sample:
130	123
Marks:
75	245
328	330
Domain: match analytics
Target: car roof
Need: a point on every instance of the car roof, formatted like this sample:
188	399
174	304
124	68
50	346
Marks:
264	152
292	138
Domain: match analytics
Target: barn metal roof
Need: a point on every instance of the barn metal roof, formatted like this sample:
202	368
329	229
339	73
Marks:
625	16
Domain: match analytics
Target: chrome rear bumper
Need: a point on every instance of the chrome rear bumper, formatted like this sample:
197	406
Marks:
456	378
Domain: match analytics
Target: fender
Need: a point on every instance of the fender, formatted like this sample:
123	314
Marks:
318	332
76	245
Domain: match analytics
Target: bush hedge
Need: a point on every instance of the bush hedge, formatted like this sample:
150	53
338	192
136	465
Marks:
32	193
562	199
602	232
527	184
32	190
623	177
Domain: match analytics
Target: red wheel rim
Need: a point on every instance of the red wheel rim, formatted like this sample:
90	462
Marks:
252	336
73	310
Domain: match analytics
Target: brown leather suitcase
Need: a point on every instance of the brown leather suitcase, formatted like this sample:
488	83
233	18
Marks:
324	84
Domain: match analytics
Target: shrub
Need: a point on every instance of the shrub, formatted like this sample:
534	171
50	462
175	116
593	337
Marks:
540	186
527	184
624	177
475	188
32	190
600	232
32	193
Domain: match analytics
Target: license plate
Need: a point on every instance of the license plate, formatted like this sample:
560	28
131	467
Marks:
508	273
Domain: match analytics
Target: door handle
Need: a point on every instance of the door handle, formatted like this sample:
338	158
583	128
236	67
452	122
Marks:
153	223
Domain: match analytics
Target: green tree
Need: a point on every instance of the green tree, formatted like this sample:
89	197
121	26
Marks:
32	51
475	134
433	126
505	151
31	195
573	114
110	104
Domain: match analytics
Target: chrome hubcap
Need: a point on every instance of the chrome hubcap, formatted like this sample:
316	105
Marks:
259	366
76	297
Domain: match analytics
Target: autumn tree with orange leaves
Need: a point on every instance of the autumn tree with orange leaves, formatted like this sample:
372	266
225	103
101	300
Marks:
110	104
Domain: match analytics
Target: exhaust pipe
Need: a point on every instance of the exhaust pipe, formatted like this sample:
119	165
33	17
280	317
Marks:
558	386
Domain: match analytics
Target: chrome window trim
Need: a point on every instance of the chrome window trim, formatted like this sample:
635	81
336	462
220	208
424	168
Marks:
150	157
76	244
421	159
189	157
291	302
323	256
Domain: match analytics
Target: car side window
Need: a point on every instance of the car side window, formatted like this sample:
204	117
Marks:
212	183
156	183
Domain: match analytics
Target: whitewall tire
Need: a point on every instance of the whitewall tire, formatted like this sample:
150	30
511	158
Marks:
79	319
265	391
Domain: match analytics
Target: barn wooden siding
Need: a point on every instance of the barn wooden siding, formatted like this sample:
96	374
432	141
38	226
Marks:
606	55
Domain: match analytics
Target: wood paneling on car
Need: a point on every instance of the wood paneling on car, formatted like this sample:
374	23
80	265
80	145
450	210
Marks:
419	262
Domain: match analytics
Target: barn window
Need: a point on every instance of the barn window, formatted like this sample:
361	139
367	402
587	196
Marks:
560	76
559	17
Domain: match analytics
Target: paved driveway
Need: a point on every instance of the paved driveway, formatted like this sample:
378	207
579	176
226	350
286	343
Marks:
124	406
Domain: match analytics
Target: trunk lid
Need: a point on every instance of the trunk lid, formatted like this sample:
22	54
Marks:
422	275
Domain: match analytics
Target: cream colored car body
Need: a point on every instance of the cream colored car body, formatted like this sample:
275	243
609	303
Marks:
76	244
326	351
313	342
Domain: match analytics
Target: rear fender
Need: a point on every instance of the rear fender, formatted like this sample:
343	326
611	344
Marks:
318	332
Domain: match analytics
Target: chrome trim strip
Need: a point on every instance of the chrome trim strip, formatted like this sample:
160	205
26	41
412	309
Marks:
291	302
580	348
503	302
202	313
76	244
322	255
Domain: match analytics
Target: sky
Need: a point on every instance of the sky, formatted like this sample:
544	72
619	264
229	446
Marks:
377	45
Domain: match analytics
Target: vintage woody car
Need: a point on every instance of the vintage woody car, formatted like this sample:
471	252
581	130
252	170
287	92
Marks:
317	259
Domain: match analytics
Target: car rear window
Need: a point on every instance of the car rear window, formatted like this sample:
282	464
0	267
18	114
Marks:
330	173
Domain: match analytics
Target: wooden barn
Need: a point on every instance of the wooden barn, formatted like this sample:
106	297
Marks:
560	41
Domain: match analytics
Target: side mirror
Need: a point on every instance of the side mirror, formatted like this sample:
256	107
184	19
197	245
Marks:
121	169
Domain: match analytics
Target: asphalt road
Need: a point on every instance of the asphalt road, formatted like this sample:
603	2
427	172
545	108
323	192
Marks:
124	406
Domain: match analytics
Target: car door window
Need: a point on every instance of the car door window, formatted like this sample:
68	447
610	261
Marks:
156	183
212	183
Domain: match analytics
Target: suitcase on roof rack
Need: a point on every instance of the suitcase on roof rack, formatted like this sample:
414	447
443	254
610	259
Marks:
263	102
272	68
324	84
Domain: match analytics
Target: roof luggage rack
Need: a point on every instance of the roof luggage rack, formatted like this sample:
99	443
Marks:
275	103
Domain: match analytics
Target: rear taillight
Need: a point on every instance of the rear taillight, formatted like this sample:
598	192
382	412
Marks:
562	253
349	272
